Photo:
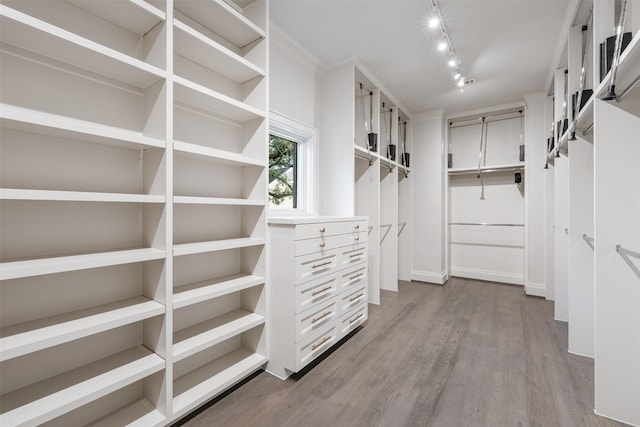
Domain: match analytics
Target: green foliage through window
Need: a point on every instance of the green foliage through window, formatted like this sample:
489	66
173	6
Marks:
283	156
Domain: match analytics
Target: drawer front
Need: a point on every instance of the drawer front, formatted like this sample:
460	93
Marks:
315	292
309	267
322	229
352	277
315	345
323	244
348	300
352	256
352	320
315	318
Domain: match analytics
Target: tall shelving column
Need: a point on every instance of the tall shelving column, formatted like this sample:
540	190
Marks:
84	203
219	196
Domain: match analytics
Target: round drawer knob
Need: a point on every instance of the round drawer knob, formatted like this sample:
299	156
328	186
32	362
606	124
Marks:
357	226
322	244
322	229
357	238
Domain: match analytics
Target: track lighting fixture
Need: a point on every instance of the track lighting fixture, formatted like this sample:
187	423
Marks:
434	22
445	45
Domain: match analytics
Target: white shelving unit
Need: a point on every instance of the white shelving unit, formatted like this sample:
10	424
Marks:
378	180
133	153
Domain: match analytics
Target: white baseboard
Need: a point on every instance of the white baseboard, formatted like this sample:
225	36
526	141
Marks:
491	276
580	354
429	277
535	289
615	419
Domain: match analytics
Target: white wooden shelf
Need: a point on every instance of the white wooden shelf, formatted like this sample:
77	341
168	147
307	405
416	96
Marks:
22	119
200	385
18	340
208	289
202	50
216	245
196	338
43	401
136	16
222	19
216	155
140	413
205	99
40	266
190	200
77	196
487	169
32	34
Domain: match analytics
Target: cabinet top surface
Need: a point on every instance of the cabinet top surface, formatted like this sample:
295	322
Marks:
294	220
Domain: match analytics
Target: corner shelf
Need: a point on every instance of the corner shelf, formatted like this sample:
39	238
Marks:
194	293
198	337
40	266
67	327
75	388
32	34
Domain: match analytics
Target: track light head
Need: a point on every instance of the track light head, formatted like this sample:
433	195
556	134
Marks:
434	22
442	45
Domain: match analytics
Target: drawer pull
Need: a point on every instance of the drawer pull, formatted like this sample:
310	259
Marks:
355	255
326	288
325	314
322	244
324	340
357	226
321	265
355	276
356	297
322	229
356	318
356	238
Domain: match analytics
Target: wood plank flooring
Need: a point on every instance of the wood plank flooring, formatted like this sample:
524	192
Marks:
469	353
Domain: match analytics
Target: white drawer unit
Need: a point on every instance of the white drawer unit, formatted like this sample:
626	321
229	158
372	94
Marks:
317	287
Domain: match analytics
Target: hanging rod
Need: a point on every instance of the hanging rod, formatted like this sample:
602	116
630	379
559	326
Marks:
486	224
473	122
402	226
629	88
384	236
627	252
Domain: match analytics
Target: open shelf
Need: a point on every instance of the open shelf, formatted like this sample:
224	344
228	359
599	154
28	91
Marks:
223	19
77	196
141	413
200	97
191	390
202	50
43	401
216	245
23	119
136	16
487	169
198	337
25	338
32	34
215	201
40	266
216	155
208	289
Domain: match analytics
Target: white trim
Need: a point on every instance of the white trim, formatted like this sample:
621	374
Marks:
535	289
492	276
284	40
429	277
306	137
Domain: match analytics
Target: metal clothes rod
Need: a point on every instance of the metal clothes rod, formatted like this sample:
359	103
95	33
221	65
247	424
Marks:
589	239
629	88
384	236
487	224
627	252
402	226
466	124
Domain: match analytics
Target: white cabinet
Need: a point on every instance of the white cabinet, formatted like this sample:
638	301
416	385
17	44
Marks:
318	287
133	188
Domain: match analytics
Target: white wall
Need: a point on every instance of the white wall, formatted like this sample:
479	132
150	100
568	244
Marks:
428	172
538	243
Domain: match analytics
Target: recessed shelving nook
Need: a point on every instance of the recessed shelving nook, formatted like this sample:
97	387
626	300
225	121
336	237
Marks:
132	207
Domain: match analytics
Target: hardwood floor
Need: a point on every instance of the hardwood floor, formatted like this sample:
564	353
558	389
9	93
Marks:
469	353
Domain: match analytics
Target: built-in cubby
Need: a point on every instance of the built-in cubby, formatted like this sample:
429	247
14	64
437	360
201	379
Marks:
133	188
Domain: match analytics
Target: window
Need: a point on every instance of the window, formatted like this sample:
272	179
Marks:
291	167
283	173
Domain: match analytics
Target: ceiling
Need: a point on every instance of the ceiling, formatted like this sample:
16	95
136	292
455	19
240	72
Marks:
508	46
